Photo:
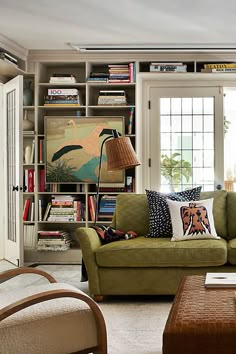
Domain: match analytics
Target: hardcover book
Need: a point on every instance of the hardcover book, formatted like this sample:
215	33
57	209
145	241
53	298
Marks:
220	280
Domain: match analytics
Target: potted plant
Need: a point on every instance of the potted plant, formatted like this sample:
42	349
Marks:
173	168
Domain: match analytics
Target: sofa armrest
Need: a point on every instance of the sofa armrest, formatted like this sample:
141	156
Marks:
89	243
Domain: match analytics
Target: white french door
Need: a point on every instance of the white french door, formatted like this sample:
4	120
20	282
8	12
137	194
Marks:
13	112
186	138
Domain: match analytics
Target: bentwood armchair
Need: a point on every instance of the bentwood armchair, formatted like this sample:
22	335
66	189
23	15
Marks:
49	318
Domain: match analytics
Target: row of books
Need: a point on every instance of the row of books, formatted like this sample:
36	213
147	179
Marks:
62	96
57	240
168	67
29	236
115	73
107	207
29	209
112	98
64	208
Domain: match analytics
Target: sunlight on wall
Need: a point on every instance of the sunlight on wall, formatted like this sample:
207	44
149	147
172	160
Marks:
230	135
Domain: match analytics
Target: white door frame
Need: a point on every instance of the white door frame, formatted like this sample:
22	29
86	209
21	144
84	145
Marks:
14	243
146	81
2	209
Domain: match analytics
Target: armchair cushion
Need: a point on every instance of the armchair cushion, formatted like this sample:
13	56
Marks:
68	322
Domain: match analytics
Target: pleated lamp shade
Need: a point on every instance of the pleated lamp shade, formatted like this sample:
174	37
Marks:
120	154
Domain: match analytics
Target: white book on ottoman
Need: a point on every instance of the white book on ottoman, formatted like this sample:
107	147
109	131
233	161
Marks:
220	280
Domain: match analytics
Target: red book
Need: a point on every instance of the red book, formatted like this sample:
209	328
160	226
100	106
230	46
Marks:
26	209
91	207
41	151
42	180
30	186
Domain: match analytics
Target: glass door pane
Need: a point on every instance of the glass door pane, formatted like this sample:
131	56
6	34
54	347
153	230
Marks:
186	148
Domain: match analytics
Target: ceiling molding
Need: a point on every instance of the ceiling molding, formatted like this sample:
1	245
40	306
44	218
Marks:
13	48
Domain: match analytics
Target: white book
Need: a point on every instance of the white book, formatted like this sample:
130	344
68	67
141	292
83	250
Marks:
220	280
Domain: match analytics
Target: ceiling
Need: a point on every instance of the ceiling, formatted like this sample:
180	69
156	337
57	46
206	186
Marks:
50	24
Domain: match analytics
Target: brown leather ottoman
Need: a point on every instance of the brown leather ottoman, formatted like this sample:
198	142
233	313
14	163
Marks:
201	321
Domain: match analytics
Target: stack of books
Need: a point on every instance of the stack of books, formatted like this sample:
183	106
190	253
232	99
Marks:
62	97
62	79
98	77
168	67
219	68
58	240
64	208
107	206
121	73
112	98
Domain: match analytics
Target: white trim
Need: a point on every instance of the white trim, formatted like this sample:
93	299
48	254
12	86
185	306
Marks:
13	47
146	81
2	191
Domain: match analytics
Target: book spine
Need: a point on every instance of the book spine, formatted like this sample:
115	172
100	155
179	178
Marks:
42	180
30	179
218	66
62	102
62	92
26	209
130	124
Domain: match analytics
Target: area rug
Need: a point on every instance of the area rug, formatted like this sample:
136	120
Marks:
135	324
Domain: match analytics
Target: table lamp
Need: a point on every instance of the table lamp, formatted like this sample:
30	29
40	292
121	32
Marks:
120	156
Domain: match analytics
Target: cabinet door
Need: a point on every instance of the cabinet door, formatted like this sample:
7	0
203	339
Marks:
13	115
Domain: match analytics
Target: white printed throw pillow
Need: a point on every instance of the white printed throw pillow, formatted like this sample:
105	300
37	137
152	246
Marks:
192	220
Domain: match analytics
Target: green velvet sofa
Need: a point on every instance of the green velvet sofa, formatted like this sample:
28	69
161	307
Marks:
148	266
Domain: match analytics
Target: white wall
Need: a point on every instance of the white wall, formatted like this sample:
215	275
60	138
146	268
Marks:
1	176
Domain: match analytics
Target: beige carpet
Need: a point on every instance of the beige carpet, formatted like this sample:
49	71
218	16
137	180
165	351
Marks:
134	324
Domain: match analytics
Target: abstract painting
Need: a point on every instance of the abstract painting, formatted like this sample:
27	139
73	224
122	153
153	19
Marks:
73	147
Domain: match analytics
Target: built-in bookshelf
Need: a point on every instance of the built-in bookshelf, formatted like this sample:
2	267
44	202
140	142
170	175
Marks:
91	79
50	100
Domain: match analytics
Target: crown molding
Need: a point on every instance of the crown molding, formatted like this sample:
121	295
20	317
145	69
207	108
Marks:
13	47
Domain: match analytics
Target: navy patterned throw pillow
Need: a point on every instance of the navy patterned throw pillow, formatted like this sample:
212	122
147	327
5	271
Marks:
159	213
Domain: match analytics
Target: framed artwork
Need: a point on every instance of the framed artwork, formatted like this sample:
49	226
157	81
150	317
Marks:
73	147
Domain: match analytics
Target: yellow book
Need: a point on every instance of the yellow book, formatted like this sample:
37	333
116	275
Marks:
220	66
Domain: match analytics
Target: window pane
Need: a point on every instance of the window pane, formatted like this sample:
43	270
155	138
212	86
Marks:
187	142
197	141
165	123
187	155
165	141
186	105
165	106
197	105
187	123
198	158
197	123
176	141
176	105
208	123
209	158
208	140
208	105
176	123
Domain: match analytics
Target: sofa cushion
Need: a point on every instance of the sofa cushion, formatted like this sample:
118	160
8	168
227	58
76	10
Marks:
232	251
159	214
131	213
192	220
219	210
160	252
